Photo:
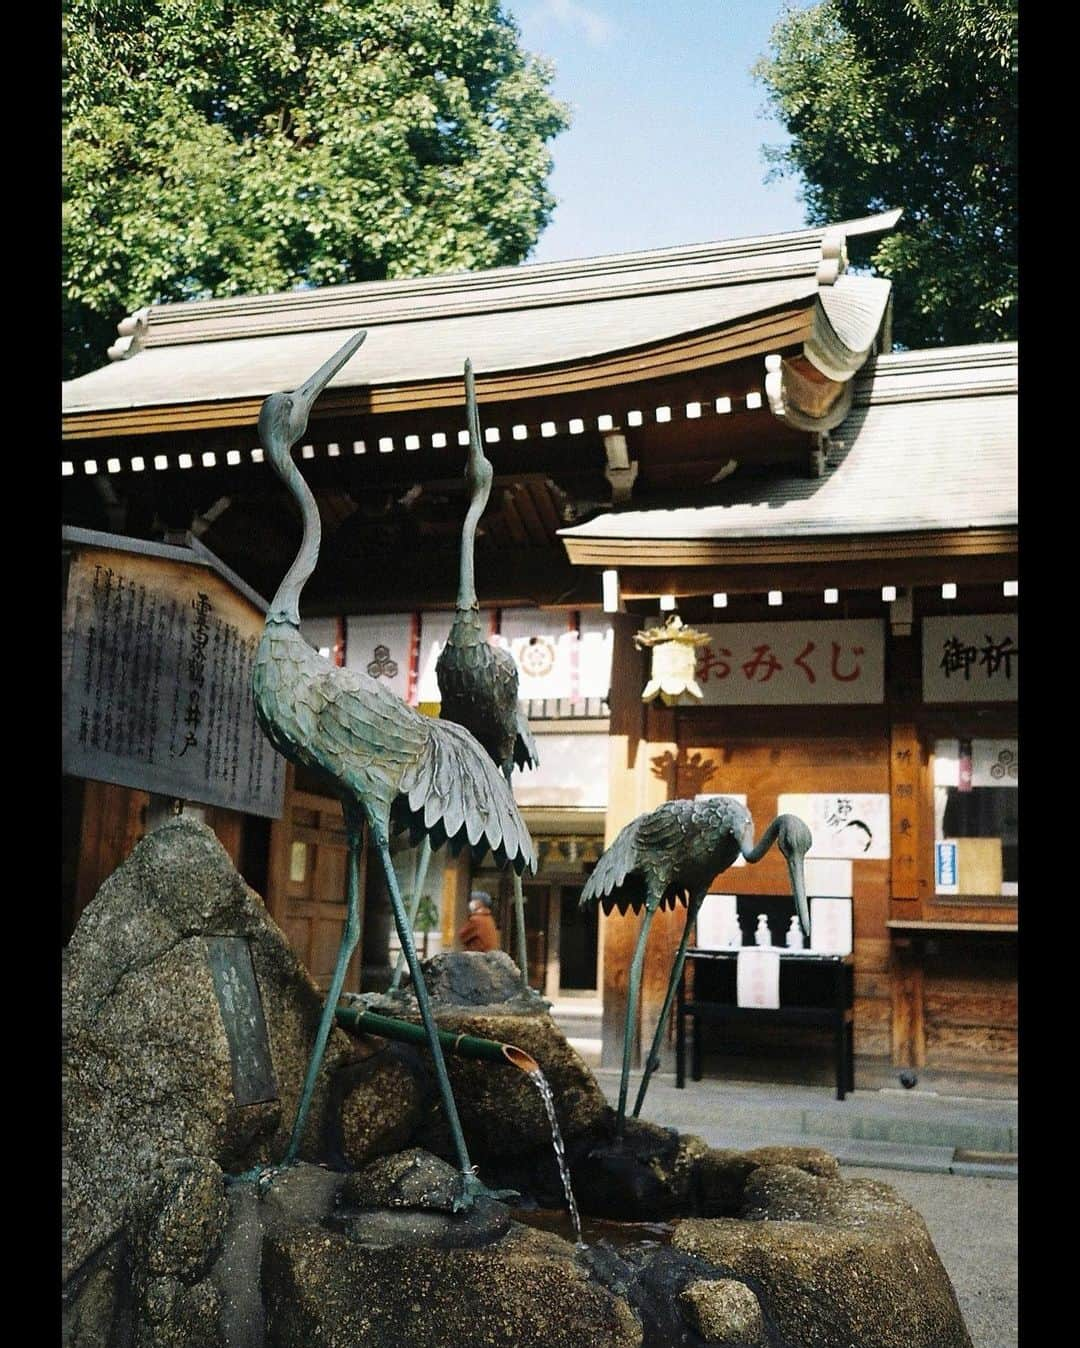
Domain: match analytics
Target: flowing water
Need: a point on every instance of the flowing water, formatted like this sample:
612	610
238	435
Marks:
543	1086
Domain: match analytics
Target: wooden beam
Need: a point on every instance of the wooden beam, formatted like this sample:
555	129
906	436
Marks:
860	561
545	507
514	522
529	516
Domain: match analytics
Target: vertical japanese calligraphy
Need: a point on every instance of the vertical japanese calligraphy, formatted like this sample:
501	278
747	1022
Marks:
904	767
158	657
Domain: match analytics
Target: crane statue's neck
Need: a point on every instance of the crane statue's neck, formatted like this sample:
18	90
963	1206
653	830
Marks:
467	575
767	839
285	606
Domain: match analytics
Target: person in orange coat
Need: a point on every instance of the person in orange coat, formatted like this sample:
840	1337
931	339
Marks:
479	932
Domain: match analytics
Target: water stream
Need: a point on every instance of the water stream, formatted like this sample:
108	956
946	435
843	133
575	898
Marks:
547	1095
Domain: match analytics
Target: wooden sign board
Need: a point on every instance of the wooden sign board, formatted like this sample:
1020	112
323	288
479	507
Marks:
159	645
971	658
793	663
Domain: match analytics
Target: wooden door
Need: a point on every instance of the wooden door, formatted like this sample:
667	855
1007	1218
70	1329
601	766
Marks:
308	883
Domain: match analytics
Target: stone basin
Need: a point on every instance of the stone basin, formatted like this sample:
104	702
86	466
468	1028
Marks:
358	1244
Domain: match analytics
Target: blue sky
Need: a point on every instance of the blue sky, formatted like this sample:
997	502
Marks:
665	146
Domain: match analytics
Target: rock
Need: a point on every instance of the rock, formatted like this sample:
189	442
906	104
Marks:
411	1179
175	1316
720	1177
501	1111
181	1234
322	1288
718	1180
811	1159
382	1100
834	1262
661	1277
472	978
97	1304
629	1178
725	1313
147	1062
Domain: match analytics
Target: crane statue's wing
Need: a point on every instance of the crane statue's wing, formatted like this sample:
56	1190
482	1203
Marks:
640	861
525	751
457	792
404	767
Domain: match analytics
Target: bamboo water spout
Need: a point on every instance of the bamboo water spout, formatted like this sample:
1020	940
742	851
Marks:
464	1045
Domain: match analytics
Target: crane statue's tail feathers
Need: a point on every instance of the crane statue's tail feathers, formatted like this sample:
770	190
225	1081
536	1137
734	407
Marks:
457	795
525	751
614	883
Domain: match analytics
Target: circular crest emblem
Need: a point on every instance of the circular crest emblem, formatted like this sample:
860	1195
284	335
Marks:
537	658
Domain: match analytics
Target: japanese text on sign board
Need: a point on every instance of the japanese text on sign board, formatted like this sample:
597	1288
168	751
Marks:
157	693
971	658
778	663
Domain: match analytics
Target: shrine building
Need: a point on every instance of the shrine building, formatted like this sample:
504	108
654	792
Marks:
720	432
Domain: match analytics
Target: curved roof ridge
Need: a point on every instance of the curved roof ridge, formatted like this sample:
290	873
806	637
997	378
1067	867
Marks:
318	308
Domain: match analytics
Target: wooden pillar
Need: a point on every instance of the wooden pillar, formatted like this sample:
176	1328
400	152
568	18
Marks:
454	909
668	924
553	972
639	779
908	1022
277	870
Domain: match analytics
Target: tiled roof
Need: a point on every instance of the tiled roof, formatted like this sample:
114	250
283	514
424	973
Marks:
511	318
931	443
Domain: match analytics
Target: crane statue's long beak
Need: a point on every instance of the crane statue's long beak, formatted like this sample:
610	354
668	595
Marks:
796	841
304	397
798	889
475	442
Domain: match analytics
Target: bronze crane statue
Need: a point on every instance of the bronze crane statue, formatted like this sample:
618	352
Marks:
672	855
389	765
478	682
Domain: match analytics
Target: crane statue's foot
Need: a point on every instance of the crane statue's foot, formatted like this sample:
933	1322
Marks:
472	1188
263	1176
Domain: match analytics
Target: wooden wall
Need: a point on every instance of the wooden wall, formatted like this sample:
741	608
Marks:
939	999
100	835
805	752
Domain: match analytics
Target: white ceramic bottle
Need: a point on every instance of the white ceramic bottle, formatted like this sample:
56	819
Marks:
762	936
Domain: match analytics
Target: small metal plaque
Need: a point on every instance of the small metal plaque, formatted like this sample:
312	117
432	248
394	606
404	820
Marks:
242	1015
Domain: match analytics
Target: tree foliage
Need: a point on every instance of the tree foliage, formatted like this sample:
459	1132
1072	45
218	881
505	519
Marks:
220	147
910	103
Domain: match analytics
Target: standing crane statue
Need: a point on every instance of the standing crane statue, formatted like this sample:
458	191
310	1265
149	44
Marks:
478	682
672	855
388	764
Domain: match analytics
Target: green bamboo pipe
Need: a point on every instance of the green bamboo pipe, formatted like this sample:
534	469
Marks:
464	1045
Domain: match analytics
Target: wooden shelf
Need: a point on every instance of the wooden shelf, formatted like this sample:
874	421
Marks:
905	925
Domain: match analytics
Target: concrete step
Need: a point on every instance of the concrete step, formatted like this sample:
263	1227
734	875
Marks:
919	1130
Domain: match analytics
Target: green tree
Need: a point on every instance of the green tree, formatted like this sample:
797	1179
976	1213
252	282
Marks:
910	103
220	147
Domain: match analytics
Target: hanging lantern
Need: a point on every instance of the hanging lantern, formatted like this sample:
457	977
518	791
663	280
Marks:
673	660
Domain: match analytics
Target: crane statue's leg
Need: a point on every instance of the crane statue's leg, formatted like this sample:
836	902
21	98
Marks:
349	938
652	1062
472	1188
419	881
519	918
631	1008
